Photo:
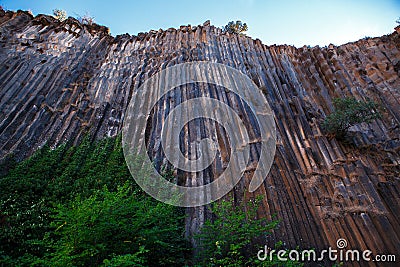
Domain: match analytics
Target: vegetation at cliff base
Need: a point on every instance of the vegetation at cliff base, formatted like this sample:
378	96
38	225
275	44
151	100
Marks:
233	234
349	112
79	206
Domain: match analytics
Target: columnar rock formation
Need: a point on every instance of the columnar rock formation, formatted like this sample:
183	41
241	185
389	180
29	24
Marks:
61	80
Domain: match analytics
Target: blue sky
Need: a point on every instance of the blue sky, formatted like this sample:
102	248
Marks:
296	23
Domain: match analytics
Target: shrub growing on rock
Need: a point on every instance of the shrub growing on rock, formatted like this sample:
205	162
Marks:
349	112
235	27
59	14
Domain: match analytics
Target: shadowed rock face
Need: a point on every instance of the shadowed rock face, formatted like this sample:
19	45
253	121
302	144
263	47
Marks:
59	81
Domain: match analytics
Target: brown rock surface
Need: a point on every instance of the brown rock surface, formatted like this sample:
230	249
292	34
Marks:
60	80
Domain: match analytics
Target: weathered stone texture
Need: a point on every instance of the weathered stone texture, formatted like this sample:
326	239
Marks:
59	81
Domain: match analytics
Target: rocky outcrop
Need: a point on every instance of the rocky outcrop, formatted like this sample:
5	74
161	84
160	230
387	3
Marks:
61	80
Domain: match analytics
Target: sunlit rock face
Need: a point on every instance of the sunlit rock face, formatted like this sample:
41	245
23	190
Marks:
61	81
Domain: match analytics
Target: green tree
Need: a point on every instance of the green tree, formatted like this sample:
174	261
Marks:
46	188
235	27
124	225
59	14
230	239
26	204
349	112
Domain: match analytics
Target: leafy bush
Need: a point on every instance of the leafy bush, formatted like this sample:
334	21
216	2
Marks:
59	14
25	202
235	27
78	206
54	184
124	225
349	112
231	238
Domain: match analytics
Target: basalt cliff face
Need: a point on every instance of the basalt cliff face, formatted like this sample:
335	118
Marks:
62	80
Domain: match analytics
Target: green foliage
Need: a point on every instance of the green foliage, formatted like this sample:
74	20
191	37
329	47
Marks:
117	224
25	202
235	27
128	260
89	187
231	238
79	206
349	112
59	14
